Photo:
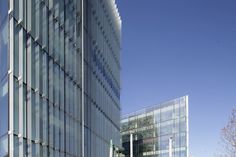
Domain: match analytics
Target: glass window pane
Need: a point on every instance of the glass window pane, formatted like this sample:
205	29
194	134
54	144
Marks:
16	50
3	37
4	146
3	107
16	106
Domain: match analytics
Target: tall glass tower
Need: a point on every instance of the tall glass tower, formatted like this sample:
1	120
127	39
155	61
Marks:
59	78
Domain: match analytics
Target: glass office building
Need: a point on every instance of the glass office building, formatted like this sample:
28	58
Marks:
59	78
157	130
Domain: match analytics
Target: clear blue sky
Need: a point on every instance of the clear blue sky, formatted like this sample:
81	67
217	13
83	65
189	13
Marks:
171	48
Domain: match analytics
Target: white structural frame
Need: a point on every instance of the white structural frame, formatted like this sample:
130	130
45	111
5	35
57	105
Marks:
187	127
170	146
111	148
131	145
82	66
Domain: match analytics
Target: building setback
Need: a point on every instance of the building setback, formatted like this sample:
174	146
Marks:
156	131
59	78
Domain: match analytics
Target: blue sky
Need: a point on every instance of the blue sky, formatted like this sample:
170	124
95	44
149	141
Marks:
171	48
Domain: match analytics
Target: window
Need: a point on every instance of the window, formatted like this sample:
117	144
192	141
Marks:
167	113
4	146
157	116
166	127
3	107
16	50
3	38
16	106
16	146
182	125
24	110
45	120
33	115
16	9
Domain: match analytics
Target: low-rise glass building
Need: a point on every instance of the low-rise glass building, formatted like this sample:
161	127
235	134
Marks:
157	130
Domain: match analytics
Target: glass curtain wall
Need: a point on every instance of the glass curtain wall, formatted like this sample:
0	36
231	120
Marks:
3	78
41	74
153	127
44	78
102	77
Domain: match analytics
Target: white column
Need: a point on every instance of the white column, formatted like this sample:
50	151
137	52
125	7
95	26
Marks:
187	125
131	145
170	147
111	148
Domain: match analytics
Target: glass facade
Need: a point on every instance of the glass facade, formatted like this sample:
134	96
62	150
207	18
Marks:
153	127
102	78
3	78
43	84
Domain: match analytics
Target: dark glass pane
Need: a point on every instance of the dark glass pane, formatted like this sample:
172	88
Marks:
16	106
16	50
16	146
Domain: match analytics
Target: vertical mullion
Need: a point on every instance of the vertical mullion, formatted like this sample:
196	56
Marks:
20	79
29	96
11	83
37	97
